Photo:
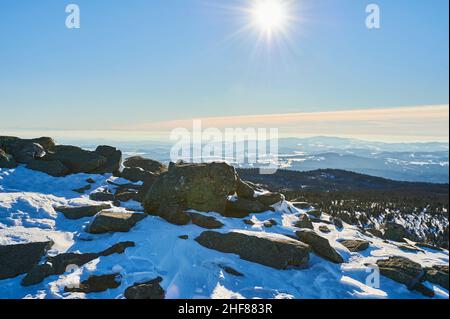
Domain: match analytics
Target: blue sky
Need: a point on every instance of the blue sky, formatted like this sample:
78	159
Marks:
142	61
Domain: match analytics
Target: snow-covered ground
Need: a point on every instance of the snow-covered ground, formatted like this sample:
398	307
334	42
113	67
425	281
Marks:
188	269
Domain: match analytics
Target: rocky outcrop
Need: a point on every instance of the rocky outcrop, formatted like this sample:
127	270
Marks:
405	271
203	187
355	245
276	251
245	190
24	151
137	174
6	161
78	212
269	198
207	222
20	258
147	290
304	222
102	196
113	159
96	284
438	275
42	154
146	164
319	245
108	221
242	207
58	264
395	232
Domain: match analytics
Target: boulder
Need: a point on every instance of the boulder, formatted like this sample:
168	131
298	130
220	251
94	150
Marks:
244	190
438	275
52	168
102	196
337	222
96	284
58	264
269	199
315	213
319	245
26	149
78	160
108	221
137	174
29	152
145	163
202	187
304	222
405	271
301	205
174	213
231	271
324	229
355	245
82	190
207	222
6	161
394	232
78	212
113	159
241	207
272	250
375	232
20	258
147	290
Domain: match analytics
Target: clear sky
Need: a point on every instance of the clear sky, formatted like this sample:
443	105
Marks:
150	61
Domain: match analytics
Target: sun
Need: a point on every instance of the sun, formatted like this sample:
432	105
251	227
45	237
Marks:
270	16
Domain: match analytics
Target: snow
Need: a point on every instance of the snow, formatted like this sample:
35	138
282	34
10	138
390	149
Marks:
188	269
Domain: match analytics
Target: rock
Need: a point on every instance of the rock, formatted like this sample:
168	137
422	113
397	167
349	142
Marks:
355	245
174	214
52	168
77	160
207	222
145	188
96	284
102	196
337	222
58	264
82	190
269	199
26	150
410	248
202	187
276	251
81	211
301	205
145	163
108	221
90	180
20	258
316	213
113	159
249	222
320	221
304	222
438	275
375	232
241	207
324	229
137	174
319	245
231	271
184	237
28	153
6	161
346	217
395	232
146	290
127	192
244	190
405	271
429	246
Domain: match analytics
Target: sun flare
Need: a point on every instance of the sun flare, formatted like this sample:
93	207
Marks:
270	16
